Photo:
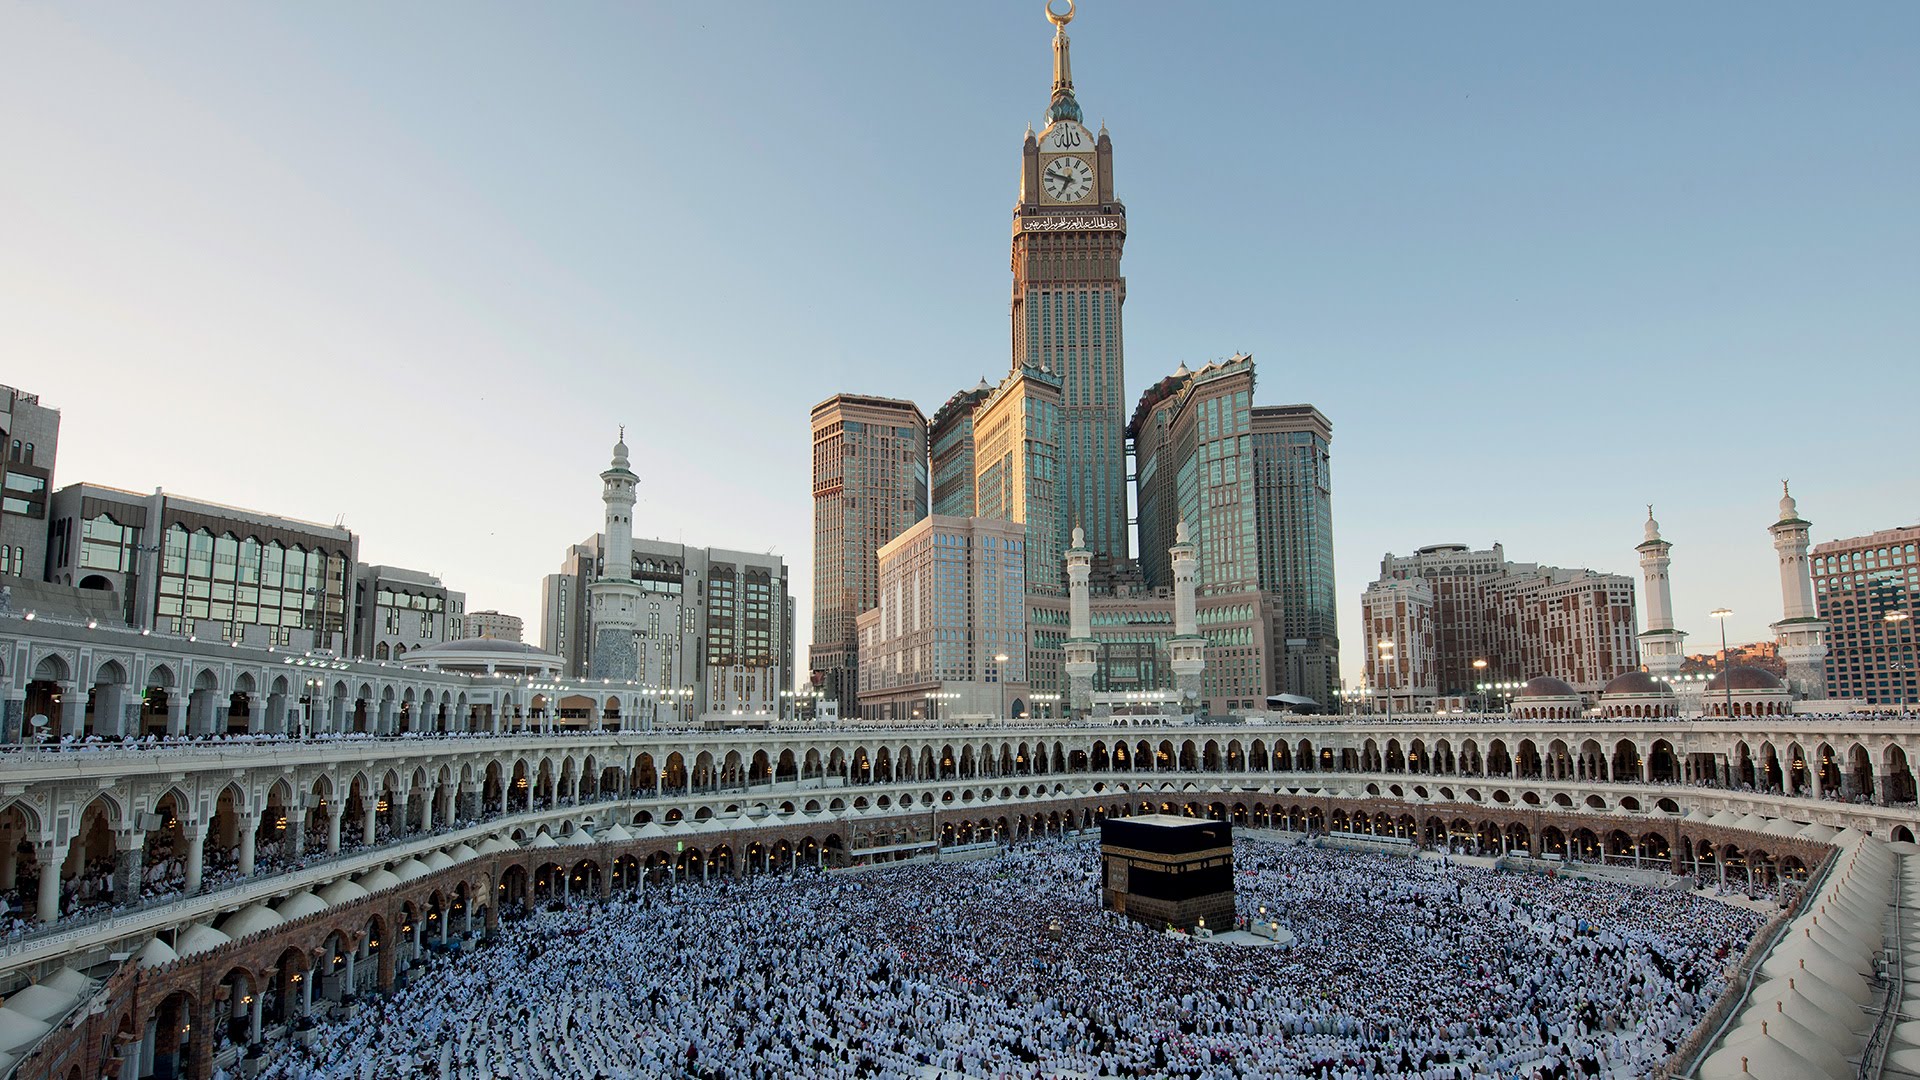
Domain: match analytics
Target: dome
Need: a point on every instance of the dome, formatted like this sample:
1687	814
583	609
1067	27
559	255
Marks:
1745	678
1546	686
42	1002
298	905
342	891
250	920
375	880
410	870
481	645
155	953
197	939
436	860
1637	682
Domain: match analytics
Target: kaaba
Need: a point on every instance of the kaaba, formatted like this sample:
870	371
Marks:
1168	871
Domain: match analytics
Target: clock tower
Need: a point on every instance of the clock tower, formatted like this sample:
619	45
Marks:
1068	229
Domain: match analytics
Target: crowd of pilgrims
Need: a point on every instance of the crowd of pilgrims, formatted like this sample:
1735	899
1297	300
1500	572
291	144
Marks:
1418	968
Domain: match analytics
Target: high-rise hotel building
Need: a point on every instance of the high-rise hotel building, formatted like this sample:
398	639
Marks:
1048	449
1867	589
869	486
1293	508
1444	607
1068	232
950	451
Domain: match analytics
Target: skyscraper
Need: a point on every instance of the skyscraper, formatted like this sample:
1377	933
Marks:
1293	504
1068	231
1868	591
1017	469
950	449
1523	619
869	486
1191	443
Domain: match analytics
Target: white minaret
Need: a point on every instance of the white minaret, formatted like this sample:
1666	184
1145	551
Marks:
1801	633
1662	647
1081	650
1188	648
614	594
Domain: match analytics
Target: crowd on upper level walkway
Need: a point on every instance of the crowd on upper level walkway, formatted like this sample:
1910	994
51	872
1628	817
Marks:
1400	967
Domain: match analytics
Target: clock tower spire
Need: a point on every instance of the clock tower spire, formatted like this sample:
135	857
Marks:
1068	230
1063	106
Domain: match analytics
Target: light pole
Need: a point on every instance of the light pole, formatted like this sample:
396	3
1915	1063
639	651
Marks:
1480	674
1895	621
1000	660
1726	667
1386	657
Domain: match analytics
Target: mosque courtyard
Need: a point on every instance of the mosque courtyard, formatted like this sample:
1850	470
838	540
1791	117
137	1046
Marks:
1007	967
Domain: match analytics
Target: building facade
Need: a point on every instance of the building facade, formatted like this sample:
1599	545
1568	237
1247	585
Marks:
950	452
1068	232
952	605
31	434
713	628
1293	507
396	611
869	486
1017	431
1522	619
494	624
1867	589
187	566
565	618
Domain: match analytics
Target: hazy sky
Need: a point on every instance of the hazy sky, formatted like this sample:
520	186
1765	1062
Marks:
412	263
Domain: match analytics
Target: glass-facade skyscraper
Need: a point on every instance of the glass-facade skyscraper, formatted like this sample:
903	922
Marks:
1293	501
1068	232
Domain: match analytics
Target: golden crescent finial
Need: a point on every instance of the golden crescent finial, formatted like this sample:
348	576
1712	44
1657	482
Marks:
1057	18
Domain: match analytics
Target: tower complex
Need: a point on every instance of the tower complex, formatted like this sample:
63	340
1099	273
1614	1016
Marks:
1068	232
1048	446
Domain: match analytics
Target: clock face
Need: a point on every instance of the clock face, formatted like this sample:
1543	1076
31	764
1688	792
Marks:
1067	179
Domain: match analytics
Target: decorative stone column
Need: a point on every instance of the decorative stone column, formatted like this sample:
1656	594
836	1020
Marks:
129	845
249	824
195	833
51	855
73	710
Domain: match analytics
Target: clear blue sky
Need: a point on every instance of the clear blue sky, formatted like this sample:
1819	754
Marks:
1540	264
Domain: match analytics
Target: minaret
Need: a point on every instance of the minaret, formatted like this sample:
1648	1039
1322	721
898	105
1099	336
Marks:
1662	647
1082	651
1188	647
1801	633
615	596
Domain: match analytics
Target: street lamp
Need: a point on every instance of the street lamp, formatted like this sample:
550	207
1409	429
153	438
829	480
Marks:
1000	659
1894	619
1480	673
1386	657
1726	674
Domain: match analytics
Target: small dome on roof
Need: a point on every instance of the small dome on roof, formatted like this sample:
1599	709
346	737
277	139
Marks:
481	644
410	869
375	880
342	891
1745	678
199	938
298	905
1546	686
249	920
1637	682
155	953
